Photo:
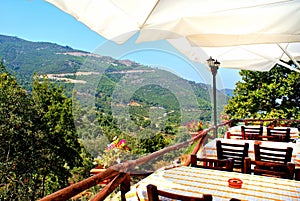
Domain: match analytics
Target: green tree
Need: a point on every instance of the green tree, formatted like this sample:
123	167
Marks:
273	94
38	142
19	142
55	120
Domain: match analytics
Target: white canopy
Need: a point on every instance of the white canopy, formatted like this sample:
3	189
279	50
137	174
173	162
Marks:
204	23
259	57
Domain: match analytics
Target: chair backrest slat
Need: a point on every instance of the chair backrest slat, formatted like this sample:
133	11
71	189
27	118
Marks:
231	145
279	134
252	133
268	158
233	151
273	155
232	155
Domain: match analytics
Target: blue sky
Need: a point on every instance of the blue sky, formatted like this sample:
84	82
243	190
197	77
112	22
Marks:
37	20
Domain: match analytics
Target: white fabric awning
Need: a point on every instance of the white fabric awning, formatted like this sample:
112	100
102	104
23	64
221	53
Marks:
203	23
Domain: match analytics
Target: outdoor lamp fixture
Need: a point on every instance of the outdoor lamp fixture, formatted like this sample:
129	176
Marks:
214	66
210	61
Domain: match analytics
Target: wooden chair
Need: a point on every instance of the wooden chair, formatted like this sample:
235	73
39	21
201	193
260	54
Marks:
209	163
271	154
279	134
237	152
251	133
271	162
153	194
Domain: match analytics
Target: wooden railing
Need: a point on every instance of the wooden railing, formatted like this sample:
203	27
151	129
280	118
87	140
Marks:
120	173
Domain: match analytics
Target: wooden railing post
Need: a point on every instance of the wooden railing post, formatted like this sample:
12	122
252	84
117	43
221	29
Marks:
125	186
202	136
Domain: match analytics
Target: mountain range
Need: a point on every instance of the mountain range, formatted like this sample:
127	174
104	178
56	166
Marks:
93	74
24	58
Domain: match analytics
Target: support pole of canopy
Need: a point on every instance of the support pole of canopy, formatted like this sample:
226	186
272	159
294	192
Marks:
280	62
289	55
214	66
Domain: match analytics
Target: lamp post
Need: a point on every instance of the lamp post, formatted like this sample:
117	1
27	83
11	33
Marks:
214	66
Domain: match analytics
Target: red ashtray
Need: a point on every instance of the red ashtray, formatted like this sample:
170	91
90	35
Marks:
235	183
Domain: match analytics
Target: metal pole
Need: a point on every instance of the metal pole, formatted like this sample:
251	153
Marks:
214	66
214	70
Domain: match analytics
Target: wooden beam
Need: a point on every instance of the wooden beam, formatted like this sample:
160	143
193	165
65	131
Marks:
70	191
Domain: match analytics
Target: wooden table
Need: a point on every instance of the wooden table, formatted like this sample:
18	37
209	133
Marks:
198	181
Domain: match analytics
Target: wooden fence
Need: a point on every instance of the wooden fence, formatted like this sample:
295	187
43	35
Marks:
120	173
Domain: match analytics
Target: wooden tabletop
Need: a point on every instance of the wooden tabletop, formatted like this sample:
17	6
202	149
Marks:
198	181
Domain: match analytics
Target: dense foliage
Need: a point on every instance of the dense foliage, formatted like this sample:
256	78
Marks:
39	144
273	94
